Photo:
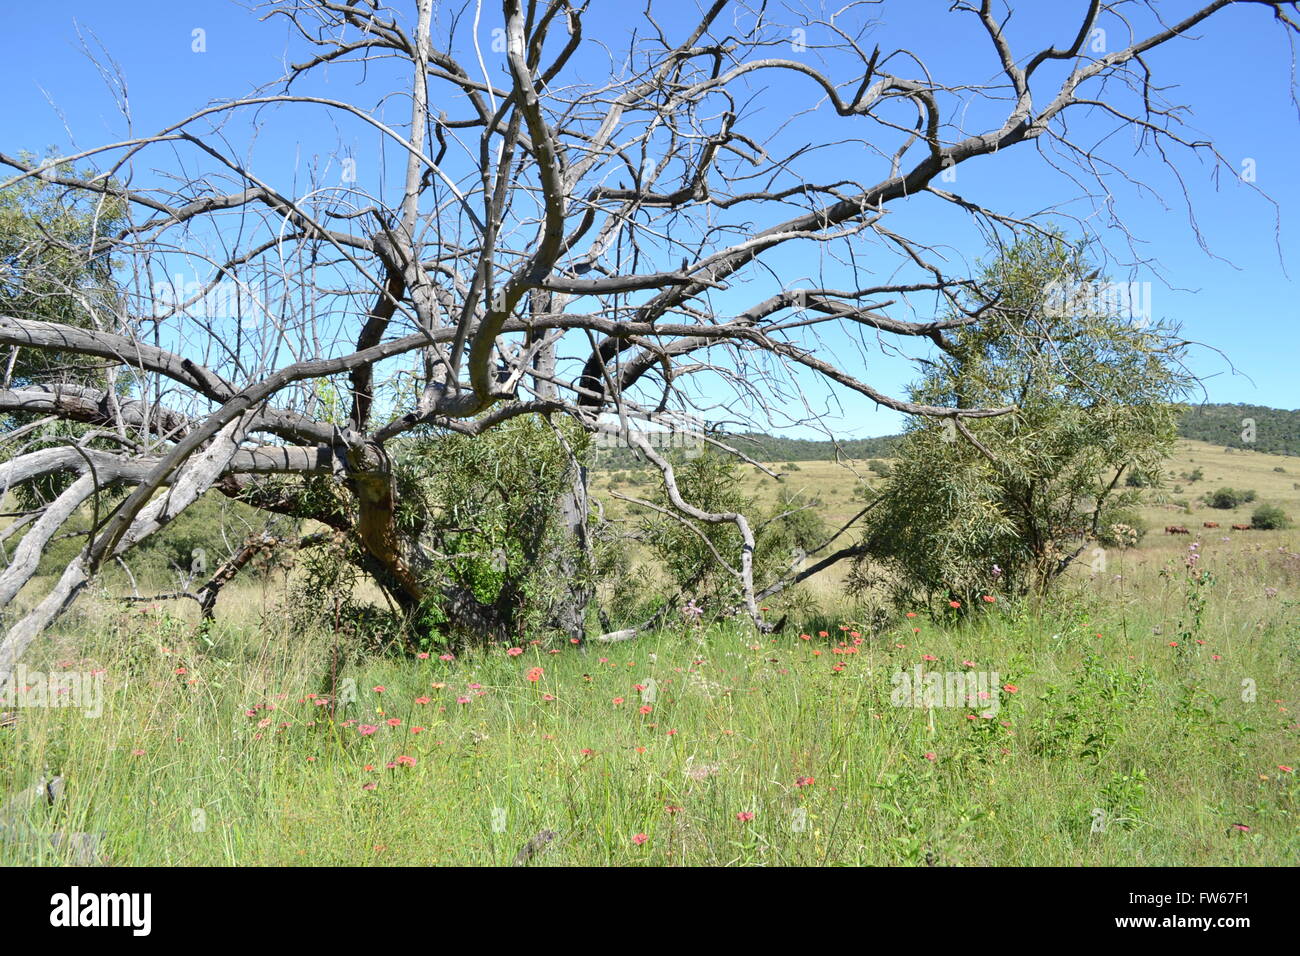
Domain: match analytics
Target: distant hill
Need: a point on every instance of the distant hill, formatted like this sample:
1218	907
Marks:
1277	432
778	448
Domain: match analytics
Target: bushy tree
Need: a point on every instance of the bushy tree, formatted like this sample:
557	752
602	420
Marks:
45	273
1269	518
1008	503
1228	498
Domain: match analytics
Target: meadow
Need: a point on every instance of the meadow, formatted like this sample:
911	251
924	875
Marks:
1145	714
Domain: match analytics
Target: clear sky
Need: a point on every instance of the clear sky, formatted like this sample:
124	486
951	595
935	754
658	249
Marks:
1243	300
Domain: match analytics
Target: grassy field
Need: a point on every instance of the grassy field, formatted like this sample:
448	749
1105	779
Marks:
1145	716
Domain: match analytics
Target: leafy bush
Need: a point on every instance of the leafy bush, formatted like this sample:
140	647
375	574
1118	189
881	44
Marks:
1269	518
1227	498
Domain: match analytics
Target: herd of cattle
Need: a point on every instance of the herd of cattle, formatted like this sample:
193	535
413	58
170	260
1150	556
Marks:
1179	529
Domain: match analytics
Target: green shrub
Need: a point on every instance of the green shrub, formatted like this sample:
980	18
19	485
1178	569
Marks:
1269	518
1227	498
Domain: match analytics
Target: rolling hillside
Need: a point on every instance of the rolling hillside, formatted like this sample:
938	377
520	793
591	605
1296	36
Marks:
1276	431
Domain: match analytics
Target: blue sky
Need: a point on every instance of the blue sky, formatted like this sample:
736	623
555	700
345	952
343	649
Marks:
1236	78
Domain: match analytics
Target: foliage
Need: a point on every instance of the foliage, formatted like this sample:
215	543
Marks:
483	520
1094	396
44	277
1228	498
1270	518
1276	430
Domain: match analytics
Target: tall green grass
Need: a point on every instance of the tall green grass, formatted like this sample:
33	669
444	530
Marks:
1114	748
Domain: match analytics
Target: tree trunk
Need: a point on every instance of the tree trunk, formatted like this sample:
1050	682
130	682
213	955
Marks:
573	561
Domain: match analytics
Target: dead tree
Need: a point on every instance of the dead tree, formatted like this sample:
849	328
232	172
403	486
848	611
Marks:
606	228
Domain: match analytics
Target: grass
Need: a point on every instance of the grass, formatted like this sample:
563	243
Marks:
232	762
1142	719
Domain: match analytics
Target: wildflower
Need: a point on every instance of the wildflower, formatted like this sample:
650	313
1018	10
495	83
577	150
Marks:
989	598
929	755
406	761
1010	688
535	674
803	781
462	700
379	688
617	701
639	838
646	708
446	657
954	603
1285	769
365	730
422	700
369	786
515	651
928	657
744	816
423	655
